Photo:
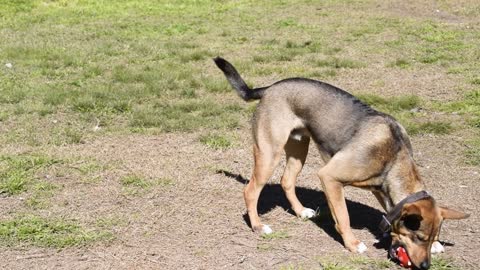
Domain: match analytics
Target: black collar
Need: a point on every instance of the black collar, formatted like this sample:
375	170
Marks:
386	224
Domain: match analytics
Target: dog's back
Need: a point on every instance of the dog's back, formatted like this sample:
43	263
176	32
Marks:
330	115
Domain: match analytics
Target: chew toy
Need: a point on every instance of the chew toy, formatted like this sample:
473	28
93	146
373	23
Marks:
402	257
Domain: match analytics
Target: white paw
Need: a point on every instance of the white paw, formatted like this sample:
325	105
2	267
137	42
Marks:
437	248
266	229
307	213
361	248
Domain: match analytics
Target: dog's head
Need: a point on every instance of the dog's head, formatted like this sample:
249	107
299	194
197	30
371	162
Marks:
416	229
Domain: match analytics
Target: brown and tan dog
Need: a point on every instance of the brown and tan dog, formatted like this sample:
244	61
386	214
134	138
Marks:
360	146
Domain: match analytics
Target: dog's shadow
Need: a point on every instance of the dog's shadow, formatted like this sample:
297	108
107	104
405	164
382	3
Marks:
361	216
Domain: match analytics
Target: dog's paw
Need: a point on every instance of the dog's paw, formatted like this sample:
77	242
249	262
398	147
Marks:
307	213
263	229
437	248
266	229
361	248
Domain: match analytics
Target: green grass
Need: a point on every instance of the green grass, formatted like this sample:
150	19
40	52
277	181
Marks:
429	127
275	235
338	63
42	232
354	262
134	184
17	173
154	70
441	263
363	262
393	104
186	115
41	193
472	154
404	109
216	141
400	63
291	267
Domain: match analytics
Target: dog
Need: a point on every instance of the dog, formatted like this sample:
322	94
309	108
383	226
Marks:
360	146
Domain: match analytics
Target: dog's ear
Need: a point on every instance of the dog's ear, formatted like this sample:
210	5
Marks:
411	216
411	209
448	213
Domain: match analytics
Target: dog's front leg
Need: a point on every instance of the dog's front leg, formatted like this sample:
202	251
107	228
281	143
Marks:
338	207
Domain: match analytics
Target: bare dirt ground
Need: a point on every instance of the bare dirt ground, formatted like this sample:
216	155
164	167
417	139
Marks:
198	223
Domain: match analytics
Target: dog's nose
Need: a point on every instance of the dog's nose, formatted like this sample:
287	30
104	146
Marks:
424	265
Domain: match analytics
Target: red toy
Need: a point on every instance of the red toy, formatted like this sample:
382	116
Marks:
402	257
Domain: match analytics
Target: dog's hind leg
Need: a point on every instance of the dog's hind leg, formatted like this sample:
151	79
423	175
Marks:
265	162
270	140
296	151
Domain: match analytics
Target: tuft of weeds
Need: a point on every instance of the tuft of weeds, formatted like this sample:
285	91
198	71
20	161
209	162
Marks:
475	81
322	74
290	22
264	247
42	232
400	63
134	184
135	181
371	263
291	267
429	127
472	153
469	106
338	63
18	172
440	263
474	122
391	105
275	235
216	141
41	192
334	266
355	262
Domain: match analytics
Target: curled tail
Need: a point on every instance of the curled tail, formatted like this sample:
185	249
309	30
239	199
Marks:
245	92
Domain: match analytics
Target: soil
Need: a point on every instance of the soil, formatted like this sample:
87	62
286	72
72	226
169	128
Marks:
199	222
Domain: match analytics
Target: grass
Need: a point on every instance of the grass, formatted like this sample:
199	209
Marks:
337	63
354	262
393	104
429	127
42	232
186	115
157	73
41	193
441	263
472	154
134	184
404	109
400	63
362	262
216	141
275	235
17	173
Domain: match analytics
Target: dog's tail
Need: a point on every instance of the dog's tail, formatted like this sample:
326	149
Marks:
245	92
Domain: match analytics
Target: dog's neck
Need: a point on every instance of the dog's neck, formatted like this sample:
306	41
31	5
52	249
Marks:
402	181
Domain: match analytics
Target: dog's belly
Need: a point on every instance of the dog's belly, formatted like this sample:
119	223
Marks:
297	134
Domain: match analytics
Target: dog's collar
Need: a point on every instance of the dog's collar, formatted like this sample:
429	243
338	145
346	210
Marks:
386	224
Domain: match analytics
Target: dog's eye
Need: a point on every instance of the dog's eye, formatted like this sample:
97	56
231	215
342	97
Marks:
422	237
412	222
